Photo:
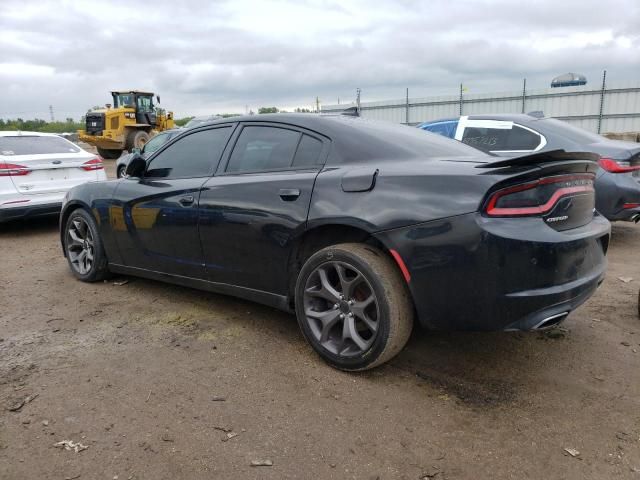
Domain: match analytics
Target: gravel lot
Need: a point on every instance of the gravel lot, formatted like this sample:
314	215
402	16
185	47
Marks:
156	379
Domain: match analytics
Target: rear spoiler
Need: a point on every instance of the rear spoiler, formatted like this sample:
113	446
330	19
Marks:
542	157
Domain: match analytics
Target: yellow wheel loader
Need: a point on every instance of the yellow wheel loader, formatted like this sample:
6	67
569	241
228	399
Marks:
128	123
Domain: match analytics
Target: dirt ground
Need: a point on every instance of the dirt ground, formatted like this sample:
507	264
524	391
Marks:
163	382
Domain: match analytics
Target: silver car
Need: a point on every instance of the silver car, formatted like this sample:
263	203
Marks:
37	170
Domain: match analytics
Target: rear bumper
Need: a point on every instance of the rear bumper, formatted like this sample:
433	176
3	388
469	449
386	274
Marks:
17	206
474	273
613	192
28	211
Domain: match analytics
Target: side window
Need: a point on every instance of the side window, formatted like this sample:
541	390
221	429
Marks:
191	156
501	139
522	139
486	139
145	104
446	129
308	153
263	148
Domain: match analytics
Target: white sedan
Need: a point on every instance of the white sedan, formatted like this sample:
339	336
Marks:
37	170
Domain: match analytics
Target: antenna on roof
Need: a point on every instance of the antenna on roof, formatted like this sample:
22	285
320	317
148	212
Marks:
536	114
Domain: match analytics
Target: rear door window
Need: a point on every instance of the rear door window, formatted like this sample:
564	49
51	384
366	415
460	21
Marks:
263	148
35	145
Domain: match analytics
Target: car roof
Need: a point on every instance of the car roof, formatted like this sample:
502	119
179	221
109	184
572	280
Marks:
305	120
357	138
512	117
440	120
21	133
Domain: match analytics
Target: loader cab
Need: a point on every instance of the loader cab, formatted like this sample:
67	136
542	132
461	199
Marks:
141	101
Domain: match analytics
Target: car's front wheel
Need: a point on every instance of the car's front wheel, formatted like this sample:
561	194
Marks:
83	247
353	306
120	171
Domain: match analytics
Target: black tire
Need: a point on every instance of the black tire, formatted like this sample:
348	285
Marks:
81	237
120	171
109	154
367	272
137	139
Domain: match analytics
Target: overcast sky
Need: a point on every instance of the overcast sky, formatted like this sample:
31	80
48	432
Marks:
219	56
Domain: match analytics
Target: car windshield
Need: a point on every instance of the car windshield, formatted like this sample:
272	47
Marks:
156	142
570	132
35	145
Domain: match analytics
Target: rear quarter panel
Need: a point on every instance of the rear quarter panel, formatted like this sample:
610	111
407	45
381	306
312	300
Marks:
404	193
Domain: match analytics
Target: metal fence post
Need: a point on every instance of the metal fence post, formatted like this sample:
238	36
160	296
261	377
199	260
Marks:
460	99
602	92
524	93
406	108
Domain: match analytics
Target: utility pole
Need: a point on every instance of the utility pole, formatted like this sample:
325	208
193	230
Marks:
604	86
524	93
51	112
317	105
358	101
460	99
406	108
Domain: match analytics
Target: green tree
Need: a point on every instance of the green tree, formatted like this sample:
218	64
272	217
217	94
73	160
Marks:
262	110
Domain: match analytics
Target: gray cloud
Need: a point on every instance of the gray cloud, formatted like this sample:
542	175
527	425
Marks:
205	57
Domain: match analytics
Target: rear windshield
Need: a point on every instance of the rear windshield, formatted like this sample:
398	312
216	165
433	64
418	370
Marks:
575	134
34	145
376	139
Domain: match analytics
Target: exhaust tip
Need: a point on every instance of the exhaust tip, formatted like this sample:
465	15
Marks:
551	321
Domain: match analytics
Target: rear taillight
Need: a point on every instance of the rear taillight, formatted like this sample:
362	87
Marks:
13	170
94	164
538	197
613	166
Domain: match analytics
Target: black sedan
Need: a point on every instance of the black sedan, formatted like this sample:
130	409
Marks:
357	226
617	181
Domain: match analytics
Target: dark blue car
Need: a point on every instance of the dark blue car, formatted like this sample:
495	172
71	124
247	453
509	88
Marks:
618	179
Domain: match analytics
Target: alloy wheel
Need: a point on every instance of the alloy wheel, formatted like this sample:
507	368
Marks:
341	309
80	246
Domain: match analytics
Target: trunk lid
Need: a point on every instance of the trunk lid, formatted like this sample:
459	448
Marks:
50	173
556	186
45	164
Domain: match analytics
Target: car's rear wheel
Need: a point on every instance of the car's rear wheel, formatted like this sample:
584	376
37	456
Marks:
353	306
83	247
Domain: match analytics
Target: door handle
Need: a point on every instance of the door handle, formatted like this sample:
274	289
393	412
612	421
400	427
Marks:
186	201
289	194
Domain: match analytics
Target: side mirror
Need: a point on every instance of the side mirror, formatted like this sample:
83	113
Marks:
136	167
136	150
